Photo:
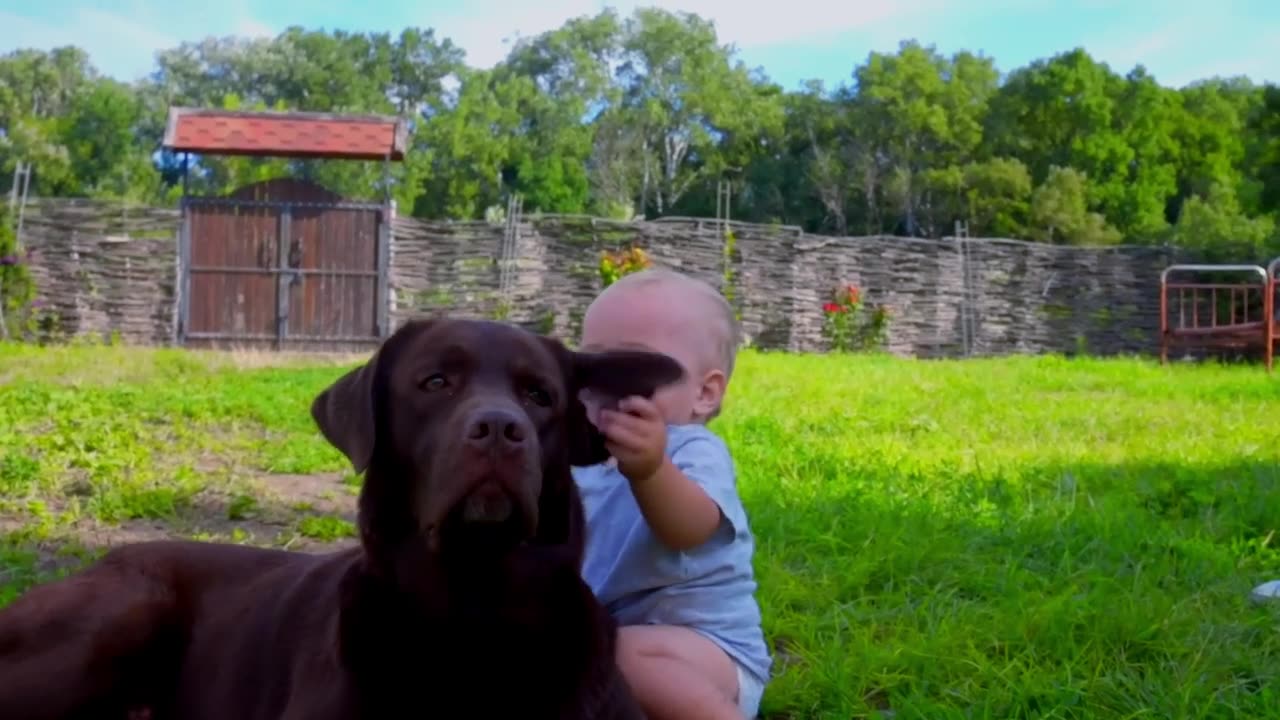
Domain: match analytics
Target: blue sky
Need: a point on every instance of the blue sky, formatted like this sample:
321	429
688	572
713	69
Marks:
1177	40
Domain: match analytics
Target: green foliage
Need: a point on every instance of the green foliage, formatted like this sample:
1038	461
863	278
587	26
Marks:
728	287
998	194
644	114
1266	124
17	288
326	528
939	539
925	114
1216	227
99	132
1060	212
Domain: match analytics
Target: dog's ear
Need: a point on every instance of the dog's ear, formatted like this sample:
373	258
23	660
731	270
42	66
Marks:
344	413
613	374
610	374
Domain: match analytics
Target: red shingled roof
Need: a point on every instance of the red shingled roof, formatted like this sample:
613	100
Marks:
285	134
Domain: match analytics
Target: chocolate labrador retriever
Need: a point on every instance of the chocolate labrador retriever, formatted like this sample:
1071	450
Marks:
462	600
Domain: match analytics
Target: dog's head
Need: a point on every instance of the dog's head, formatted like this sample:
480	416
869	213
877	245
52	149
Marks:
467	430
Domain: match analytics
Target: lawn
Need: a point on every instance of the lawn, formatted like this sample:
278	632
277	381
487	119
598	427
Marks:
1014	538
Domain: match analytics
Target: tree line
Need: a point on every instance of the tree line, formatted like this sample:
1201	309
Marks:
647	114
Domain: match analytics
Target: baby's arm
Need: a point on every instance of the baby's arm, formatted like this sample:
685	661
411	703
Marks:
679	512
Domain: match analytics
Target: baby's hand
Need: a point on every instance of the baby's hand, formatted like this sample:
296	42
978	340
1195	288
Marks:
636	435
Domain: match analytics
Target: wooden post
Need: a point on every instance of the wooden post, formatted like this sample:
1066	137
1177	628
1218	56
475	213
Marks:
1164	320
283	241
4	327
383	300
184	274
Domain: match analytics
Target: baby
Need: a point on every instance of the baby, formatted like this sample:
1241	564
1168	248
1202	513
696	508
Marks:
669	548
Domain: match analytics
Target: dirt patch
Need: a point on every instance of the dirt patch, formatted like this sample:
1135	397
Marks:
319	492
244	358
264	510
71	546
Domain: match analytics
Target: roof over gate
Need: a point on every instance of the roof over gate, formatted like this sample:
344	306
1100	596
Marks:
285	134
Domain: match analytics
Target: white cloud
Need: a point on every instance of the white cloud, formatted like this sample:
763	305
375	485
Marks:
114	40
1259	67
123	41
488	29
243	21
1154	49
250	27
1258	60
1200	42
791	21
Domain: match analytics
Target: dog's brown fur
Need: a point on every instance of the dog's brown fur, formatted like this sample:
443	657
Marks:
463	599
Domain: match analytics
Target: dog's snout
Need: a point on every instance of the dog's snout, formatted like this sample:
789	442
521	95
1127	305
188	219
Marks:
497	429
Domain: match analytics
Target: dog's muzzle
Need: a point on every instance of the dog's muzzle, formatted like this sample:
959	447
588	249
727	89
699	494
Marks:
490	497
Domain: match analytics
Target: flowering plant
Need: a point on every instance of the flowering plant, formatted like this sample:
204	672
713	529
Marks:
847	323
613	265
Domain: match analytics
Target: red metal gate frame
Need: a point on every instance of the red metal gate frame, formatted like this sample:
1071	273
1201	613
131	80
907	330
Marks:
1239	331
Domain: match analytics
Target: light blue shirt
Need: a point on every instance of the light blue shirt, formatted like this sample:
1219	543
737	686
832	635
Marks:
710	588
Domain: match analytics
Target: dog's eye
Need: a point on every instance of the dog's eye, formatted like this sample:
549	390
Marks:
434	383
538	396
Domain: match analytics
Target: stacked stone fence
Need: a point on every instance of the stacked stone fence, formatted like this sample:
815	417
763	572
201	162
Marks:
104	269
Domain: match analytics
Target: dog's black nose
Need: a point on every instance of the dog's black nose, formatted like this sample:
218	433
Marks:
498	429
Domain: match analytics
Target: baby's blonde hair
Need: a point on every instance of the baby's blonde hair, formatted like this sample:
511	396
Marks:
726	334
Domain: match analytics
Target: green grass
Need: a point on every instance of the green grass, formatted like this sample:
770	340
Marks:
1015	538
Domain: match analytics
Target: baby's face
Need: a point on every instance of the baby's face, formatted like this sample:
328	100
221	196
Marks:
657	319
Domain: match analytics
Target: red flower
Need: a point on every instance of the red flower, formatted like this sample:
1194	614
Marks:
854	294
831	308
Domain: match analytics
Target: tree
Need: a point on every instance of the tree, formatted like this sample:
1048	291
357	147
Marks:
106	157
560	79
697	113
1215	226
1060	214
1266	125
922	117
998	196
1147	116
809	175
466	147
1212	137
37	88
649	113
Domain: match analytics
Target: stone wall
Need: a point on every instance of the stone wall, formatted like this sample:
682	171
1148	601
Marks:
103	269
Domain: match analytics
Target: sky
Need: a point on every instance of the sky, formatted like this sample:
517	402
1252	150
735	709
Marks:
1178	41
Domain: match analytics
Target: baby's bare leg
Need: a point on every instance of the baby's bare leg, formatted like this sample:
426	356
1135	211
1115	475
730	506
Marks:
678	674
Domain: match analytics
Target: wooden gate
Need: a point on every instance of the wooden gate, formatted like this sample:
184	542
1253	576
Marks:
283	264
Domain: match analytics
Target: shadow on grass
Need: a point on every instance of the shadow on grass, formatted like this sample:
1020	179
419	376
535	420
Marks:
1067	590
38	547
1064	591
